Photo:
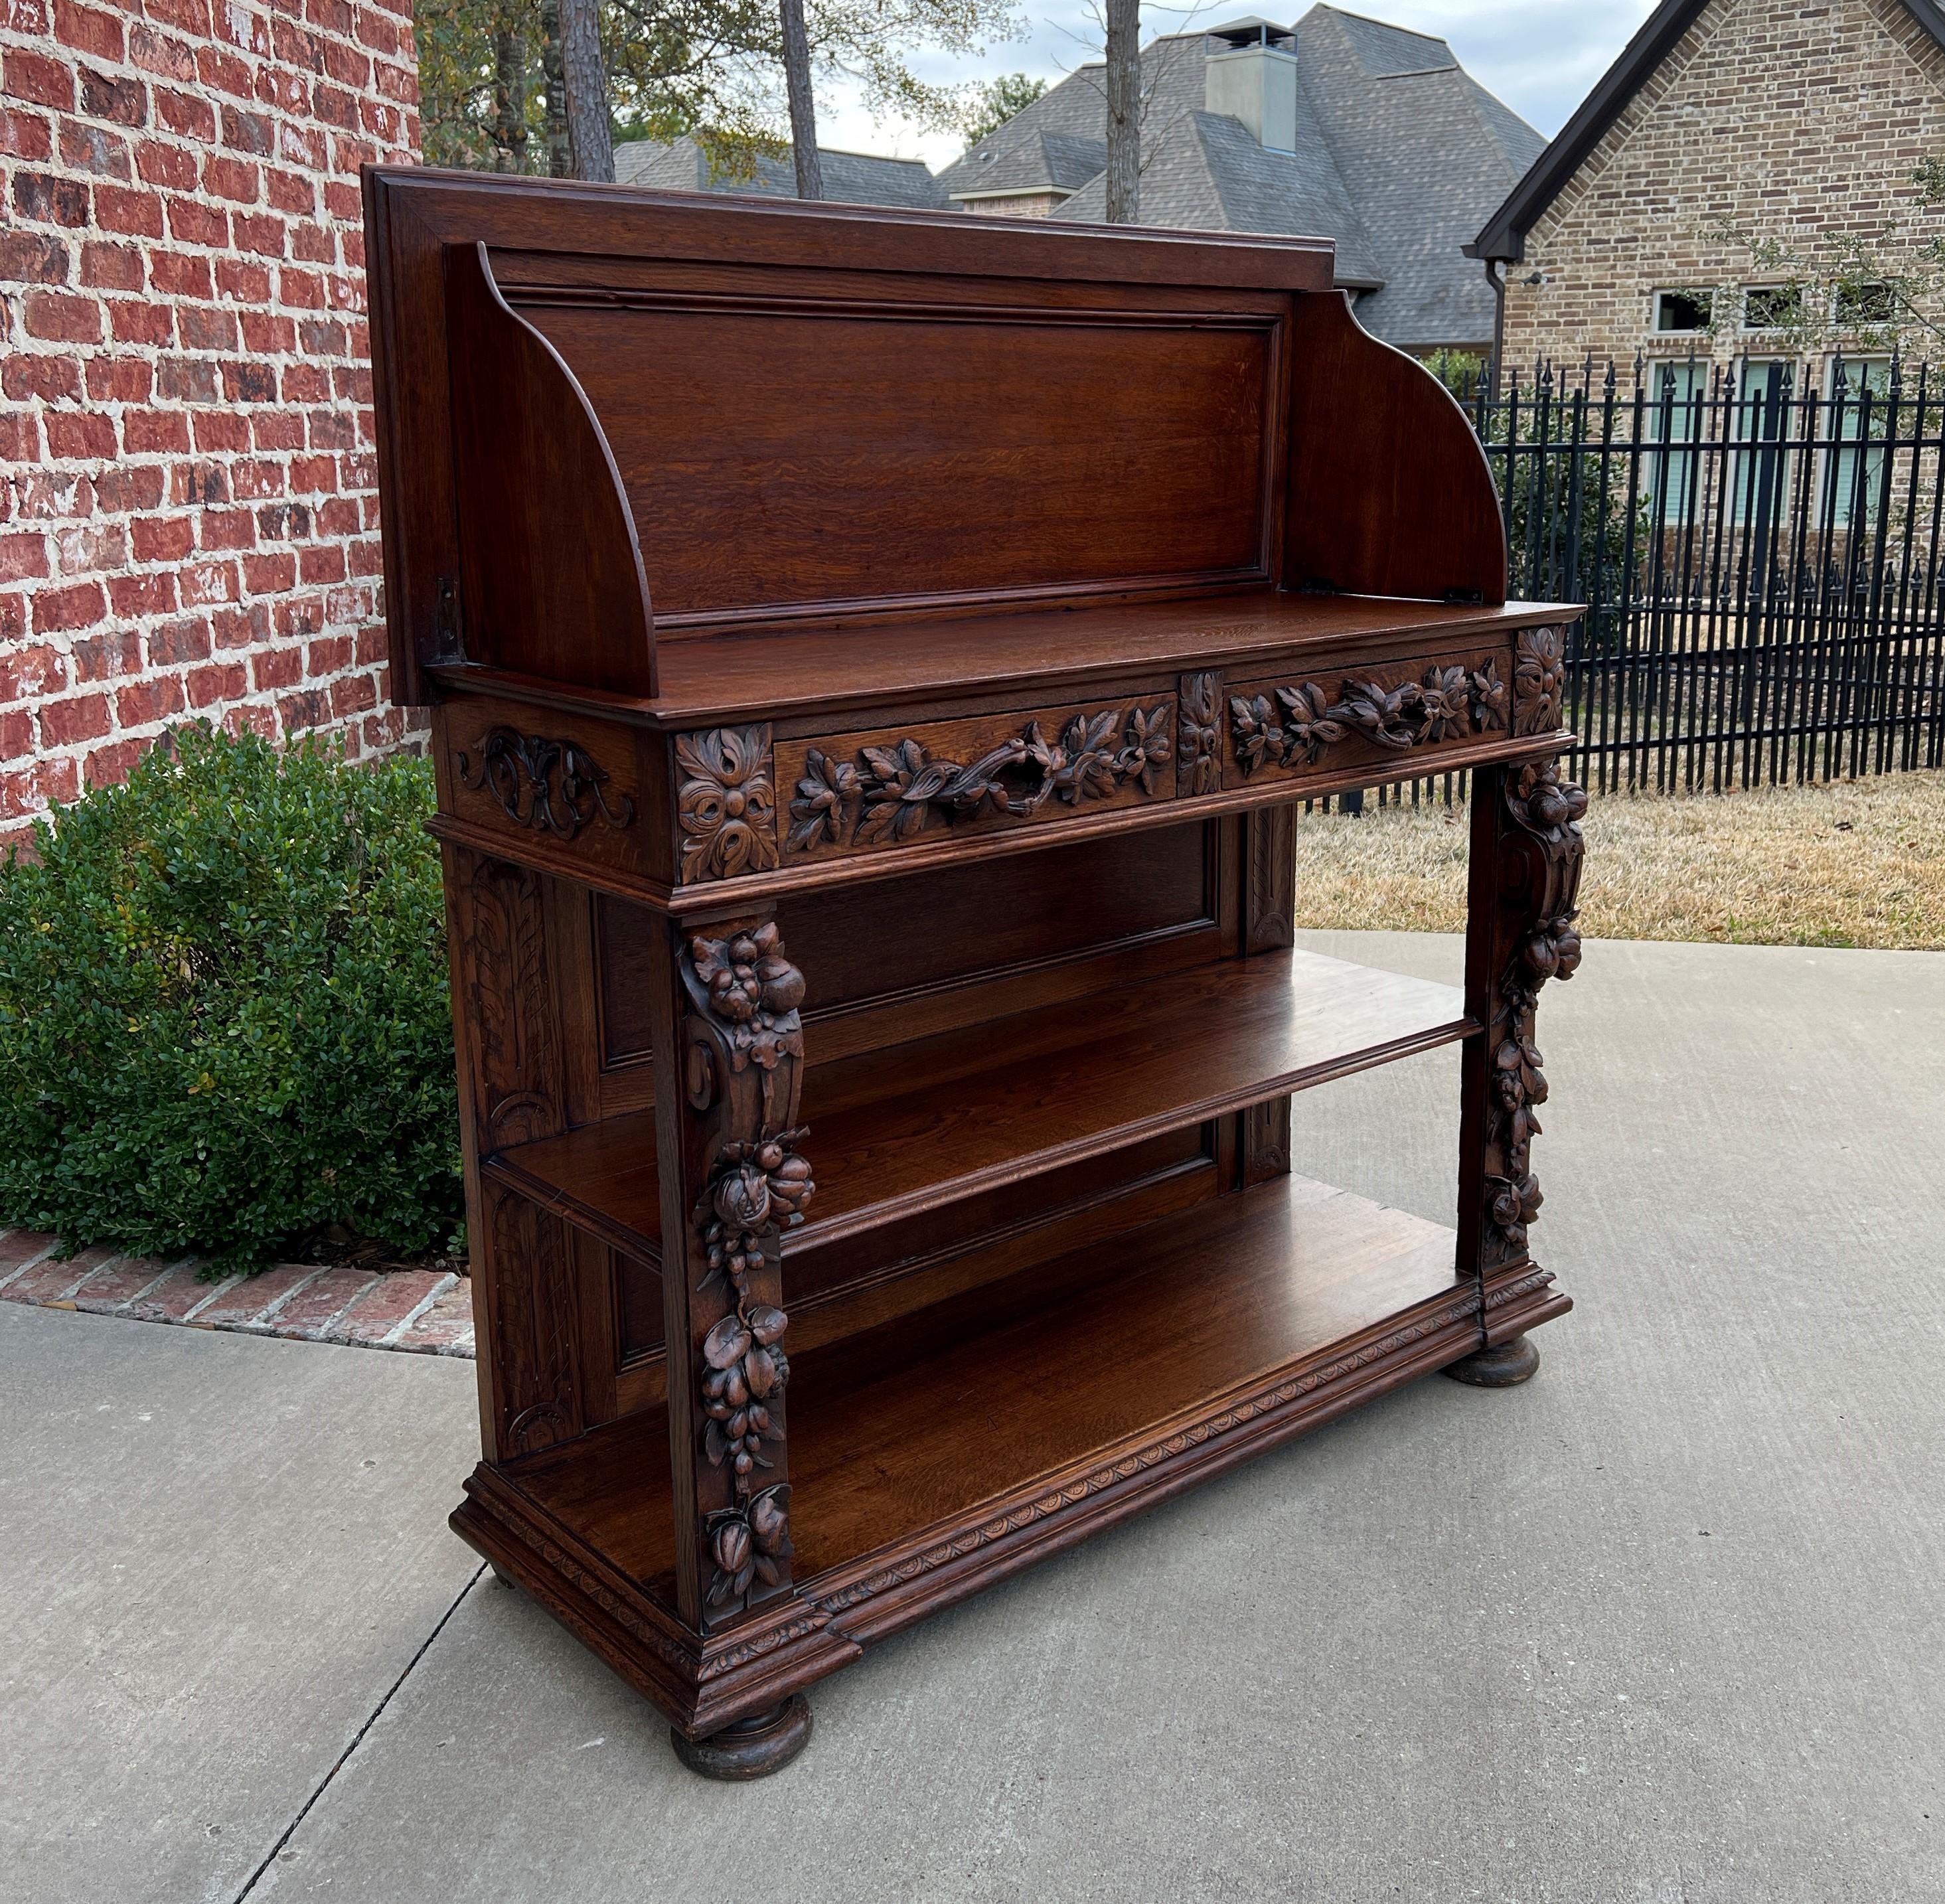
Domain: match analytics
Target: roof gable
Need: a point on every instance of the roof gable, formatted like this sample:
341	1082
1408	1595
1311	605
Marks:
1504	234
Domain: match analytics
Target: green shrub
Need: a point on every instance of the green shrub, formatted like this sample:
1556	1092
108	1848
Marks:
223	1009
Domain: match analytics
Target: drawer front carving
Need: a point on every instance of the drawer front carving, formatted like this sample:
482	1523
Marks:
855	793
726	802
565	785
1320	722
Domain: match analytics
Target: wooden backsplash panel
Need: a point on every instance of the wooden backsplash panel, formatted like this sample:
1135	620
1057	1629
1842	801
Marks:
805	453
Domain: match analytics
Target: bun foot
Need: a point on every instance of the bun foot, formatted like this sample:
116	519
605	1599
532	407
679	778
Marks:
751	1748
1505	1366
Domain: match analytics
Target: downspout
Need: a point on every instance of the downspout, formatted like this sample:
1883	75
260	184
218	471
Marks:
1497	277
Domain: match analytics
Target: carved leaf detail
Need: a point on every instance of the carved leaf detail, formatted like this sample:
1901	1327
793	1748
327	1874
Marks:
553	786
726	802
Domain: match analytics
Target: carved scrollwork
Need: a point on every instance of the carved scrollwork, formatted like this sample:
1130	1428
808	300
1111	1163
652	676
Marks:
1539	680
743	1042
1297	726
726	802
1546	810
1198	759
553	786
894	791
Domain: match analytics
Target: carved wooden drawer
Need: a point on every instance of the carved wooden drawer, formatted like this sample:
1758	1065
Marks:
859	792
1397	716
541	779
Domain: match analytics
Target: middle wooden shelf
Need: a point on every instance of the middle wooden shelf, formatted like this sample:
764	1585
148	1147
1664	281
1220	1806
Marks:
898	1131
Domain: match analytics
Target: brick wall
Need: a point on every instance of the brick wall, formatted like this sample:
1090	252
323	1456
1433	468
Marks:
1793	120
188	523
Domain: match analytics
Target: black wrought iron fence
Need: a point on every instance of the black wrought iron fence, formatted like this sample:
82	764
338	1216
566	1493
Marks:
1758	546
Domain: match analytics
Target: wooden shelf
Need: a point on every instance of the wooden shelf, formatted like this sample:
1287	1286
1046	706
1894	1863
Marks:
928	1422
900	1131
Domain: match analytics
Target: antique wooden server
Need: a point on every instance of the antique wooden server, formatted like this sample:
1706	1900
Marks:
874	659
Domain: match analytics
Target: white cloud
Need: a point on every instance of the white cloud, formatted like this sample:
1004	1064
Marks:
1541	57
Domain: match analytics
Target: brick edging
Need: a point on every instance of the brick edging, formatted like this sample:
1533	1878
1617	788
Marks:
419	1312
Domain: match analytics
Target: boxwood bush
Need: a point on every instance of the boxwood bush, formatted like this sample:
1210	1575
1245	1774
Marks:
223	1009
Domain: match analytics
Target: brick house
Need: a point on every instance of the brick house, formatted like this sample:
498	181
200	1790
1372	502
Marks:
1338	127
1798	123
188	513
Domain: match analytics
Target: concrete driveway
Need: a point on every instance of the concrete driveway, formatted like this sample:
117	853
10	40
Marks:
1664	1624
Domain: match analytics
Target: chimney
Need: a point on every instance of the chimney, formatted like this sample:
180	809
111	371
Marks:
1250	73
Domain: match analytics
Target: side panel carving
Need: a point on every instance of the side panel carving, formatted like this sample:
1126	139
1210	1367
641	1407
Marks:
1539	854
741	1052
517	1069
536	1326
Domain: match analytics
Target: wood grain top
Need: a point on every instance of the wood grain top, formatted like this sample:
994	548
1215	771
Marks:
826	671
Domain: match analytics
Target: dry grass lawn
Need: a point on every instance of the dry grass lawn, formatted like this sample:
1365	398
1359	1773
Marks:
1858	863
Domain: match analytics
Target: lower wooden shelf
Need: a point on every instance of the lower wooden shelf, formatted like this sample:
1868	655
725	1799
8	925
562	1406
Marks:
896	1131
941	1451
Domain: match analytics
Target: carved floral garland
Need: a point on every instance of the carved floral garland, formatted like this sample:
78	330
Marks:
520	771
900	787
1294	728
1548	809
758	1184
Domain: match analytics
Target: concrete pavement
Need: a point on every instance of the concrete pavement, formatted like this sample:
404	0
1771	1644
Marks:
1665	1624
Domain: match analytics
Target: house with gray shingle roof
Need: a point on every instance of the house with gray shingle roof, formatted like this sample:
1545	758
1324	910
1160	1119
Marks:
1339	127
849	177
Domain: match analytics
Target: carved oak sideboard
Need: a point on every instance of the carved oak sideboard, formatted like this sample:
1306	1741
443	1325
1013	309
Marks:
875	661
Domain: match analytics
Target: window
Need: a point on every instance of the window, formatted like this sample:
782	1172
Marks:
1860	305
1857	390
1678	422
1772	306
1761	474
1683	310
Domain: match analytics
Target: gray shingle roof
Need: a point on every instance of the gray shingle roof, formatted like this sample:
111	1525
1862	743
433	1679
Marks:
849	177
1401	156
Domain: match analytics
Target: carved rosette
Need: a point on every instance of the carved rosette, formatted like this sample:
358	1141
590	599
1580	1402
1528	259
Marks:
743	1051
892	792
1545	810
553	786
1539	680
725	800
1198	759
1297	727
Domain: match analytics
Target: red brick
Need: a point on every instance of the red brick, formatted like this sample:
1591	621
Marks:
30	791
186	113
17	739
111	267
234	528
169	58
33	258
353	694
270	575
107	766
164	538
158	162
80	606
248	283
80	434
22	557
123	101
322	564
179	1295
130	210
19	1247
143	703
314	1308
54	1281
446	1327
35	77
52	201
222	432
142	323
246	1305
118	1283
384	1309
57	318
101	657
95	149
207	327
261	233
232	178
275	667
179	644
204	583
65	723
143	595
24	134
27	674
48	376
130	489
193	222
222	681
87	30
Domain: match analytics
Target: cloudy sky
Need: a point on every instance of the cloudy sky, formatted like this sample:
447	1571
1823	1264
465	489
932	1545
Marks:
1539	56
